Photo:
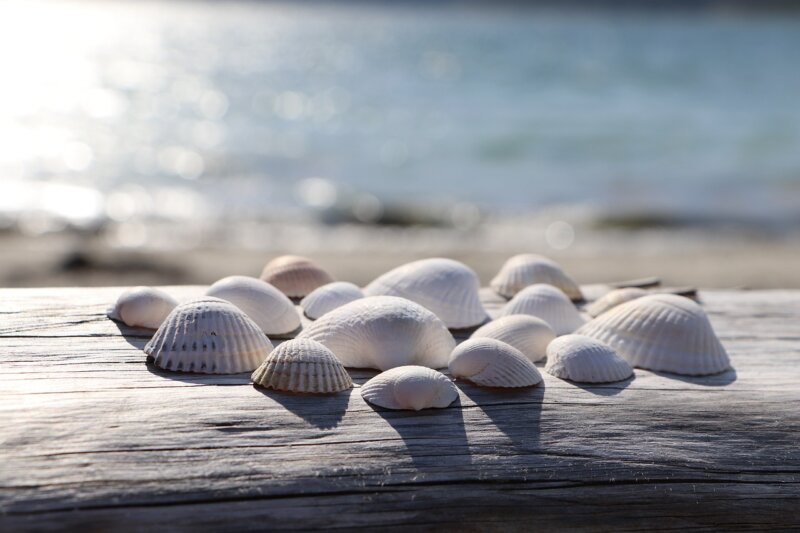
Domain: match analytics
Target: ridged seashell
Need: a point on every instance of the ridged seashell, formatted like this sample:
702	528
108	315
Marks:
143	307
302	365
528	334
585	360
210	336
410	387
328	297
661	332
547	303
613	299
492	363
383	332
295	276
523	270
446	287
268	307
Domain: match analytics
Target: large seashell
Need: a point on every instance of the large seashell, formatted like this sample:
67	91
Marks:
143	307
210	336
446	287
523	270
328	297
383	332
585	360
410	387
302	365
661	332
547	303
613	299
268	307
295	276
528	334
492	363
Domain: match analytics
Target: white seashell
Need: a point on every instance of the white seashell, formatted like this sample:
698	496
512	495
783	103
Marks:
302	365
585	360
383	332
210	336
613	299
143	307
528	334
523	270
661	332
446	287
547	303
492	363
410	387
328	297
295	276
268	307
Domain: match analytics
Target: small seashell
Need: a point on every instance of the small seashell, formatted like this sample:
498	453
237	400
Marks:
613	299
447	288
585	360
295	276
302	365
268	307
210	336
528	334
661	332
547	303
492	363
410	387
328	297
143	307
523	270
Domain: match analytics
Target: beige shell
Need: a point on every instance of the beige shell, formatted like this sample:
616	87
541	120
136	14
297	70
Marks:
523	270
585	360
410	387
547	303
143	307
295	276
268	307
528	334
613	299
492	363
329	297
302	365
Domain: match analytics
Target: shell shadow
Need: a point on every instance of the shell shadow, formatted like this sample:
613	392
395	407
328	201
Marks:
604	389
243	378
136	337
323	411
716	380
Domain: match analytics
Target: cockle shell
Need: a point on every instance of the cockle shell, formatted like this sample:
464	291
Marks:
662	332
613	299
523	270
383	332
268	307
295	276
328	297
492	363
210	336
585	360
547	303
410	387
446	287
302	365
528	334
143	307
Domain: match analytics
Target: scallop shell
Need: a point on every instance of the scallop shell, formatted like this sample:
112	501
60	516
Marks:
547	303
662	332
210	336
410	387
268	307
492	363
613	299
143	307
528	334
585	360
446	287
328	297
302	365
383	332
295	276
523	270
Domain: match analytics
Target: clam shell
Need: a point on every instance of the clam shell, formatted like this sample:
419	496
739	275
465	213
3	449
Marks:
492	363
383	332
410	387
547	303
295	276
209	336
143	307
447	288
328	297
613	299
523	270
585	360
302	365
268	307
662	332
528	334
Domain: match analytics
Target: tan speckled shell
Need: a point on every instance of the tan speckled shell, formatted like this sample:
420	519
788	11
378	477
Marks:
523	270
302	365
585	360
410	387
295	276
492	363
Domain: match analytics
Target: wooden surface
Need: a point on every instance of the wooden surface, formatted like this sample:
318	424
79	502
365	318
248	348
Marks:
93	437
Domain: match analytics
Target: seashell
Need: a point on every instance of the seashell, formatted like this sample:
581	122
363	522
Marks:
210	336
328	297
585	360
268	307
523	270
528	334
302	365
143	307
547	303
295	276
613	299
492	363
383	332
410	387
447	288
661	332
